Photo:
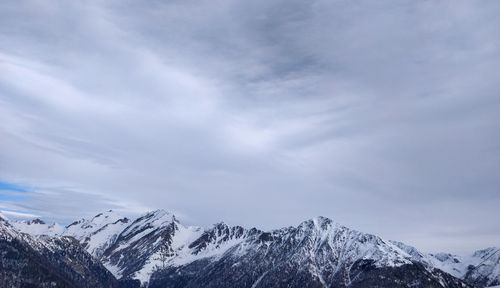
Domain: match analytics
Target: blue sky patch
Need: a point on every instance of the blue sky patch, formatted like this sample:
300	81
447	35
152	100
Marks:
11	191
6	186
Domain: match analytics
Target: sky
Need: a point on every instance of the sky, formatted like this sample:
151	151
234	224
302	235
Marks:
381	115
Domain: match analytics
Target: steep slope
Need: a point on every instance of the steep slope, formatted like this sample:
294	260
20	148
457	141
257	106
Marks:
27	261
98	233
95	234
129	249
480	269
317	253
487	268
135	252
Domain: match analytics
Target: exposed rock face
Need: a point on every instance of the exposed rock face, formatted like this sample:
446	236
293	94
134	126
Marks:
157	250
44	261
127	248
138	242
98	233
488	272
479	269
317	253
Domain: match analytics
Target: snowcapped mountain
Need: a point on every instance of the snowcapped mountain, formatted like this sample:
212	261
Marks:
95	234
98	233
317	253
480	269
159	251
126	248
133	253
487	262
38	227
44	261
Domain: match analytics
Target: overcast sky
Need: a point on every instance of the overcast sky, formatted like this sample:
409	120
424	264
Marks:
381	115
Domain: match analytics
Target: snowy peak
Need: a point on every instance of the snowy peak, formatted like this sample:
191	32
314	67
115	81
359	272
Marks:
75	223
319	247
96	234
38	227
446	257
316	253
411	251
136	246
150	222
484	269
321	236
219	235
115	239
322	223
106	217
319	223
484	254
481	268
35	221
99	232
320	229
45	261
95	223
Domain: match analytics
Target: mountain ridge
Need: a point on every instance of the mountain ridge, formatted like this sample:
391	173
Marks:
47	261
325	246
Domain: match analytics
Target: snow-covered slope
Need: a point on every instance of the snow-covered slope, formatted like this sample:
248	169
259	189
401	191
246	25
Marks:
454	264
316	251
487	263
481	268
98	233
134	253
128	248
38	227
95	234
45	261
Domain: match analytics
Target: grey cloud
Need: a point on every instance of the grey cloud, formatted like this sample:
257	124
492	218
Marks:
260	113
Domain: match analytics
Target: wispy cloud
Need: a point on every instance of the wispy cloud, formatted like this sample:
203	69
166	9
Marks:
261	113
16	214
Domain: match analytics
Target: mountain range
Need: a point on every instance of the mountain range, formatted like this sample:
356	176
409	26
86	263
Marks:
157	250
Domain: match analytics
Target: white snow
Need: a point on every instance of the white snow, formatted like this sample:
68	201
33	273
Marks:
34	228
116	271
456	265
182	237
95	234
100	232
259	279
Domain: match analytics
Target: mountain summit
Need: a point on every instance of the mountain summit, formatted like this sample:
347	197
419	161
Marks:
156	249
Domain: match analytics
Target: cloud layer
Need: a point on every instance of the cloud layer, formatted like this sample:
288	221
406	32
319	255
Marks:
383	115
